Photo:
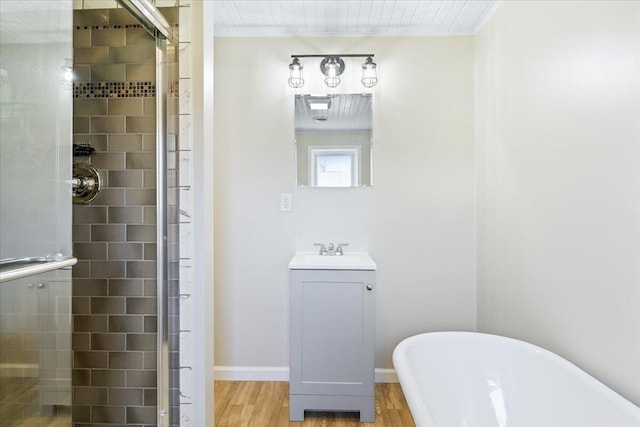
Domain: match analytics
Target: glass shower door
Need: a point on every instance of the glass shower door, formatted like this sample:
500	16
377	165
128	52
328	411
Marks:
35	212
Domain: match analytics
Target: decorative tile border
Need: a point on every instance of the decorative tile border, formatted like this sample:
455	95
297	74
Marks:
114	89
106	27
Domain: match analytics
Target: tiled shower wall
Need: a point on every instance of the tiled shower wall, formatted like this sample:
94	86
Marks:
114	303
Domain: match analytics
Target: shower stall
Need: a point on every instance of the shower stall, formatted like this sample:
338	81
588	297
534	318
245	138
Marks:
89	167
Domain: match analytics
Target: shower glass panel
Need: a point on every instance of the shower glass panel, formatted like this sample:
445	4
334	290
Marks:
35	211
35	131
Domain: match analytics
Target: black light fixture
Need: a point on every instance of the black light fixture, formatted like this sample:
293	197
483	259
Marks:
332	67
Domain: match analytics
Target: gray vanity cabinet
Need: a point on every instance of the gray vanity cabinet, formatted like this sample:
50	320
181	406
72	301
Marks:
332	342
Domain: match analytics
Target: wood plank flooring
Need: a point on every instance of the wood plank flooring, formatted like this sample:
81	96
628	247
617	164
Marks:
266	404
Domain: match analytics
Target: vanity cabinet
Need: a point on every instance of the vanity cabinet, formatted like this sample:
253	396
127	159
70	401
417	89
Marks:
332	342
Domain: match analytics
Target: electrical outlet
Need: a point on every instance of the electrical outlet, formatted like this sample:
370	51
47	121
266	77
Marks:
285	202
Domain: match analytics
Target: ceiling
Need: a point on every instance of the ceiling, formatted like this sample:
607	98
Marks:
260	18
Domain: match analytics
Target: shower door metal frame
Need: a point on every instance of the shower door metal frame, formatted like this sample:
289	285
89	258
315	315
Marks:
153	21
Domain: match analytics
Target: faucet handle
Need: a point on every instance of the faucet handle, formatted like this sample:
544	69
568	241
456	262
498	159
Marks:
323	248
339	248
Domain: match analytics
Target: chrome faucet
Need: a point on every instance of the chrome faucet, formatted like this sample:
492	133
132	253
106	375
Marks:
323	248
331	250
339	248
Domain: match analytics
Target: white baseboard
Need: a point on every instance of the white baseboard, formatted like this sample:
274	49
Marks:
279	373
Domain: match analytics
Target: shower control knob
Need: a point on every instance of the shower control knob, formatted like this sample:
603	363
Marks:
369	287
40	285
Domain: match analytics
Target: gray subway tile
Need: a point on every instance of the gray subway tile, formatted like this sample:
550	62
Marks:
141	72
120	17
89	214
108	233
80	341
141	269
142	305
125	142
125	251
149	106
129	178
141	342
110	197
109	37
89	107
81	233
90	396
108	341
108	377
108	72
141	124
80	377
89	359
149	214
136	378
108	414
149	142
92	251
149	360
125	106
149	179
81	38
81	125
150	251
141	415
141	233
107	305
143	160
81	73
89	287
107	124
126	287
150	287
90	323
126	324
125	215
136	36
125	54
81	414
150	324
137	197
81	269
150	397
90	17
80	305
126	396
107	269
90	55
107	161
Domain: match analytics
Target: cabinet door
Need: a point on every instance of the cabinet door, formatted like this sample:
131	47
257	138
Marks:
332	332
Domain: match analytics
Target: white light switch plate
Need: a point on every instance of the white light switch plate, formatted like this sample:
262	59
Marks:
285	202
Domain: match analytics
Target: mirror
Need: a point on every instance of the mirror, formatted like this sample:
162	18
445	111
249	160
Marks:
333	140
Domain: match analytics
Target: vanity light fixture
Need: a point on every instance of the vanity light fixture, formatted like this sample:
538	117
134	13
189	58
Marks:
295	73
332	67
369	75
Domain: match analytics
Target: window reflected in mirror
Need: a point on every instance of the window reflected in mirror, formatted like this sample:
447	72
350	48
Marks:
333	140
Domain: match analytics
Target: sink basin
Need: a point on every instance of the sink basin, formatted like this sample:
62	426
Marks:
348	261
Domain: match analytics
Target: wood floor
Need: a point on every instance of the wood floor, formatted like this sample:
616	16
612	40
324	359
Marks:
266	404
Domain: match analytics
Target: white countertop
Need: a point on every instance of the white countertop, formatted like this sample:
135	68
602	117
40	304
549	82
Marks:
348	261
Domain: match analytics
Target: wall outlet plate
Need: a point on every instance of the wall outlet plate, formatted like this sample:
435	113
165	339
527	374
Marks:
285	202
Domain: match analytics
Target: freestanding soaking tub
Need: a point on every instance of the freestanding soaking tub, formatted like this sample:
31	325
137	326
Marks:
466	379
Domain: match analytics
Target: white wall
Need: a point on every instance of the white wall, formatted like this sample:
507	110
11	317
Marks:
558	176
417	220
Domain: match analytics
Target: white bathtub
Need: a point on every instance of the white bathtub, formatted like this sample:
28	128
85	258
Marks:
466	379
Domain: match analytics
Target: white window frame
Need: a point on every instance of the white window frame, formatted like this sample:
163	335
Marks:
355	153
